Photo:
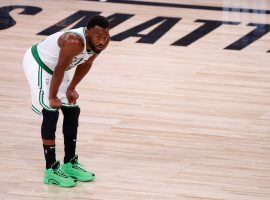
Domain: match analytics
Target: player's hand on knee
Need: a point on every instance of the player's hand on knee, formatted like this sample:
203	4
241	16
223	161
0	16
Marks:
55	103
72	96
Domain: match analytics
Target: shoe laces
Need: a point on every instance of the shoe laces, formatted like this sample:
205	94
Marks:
60	173
78	166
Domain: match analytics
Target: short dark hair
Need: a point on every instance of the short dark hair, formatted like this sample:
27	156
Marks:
98	20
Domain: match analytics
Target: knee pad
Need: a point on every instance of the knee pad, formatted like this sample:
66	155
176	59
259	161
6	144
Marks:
71	121
49	123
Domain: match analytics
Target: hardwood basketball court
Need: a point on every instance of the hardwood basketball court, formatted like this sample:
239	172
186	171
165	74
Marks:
177	107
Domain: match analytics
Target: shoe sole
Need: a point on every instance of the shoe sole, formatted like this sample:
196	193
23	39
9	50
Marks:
81	179
54	182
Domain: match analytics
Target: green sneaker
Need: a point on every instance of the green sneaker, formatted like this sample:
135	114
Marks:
55	176
75	170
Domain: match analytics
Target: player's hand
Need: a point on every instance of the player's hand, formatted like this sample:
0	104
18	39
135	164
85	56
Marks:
55	103
72	96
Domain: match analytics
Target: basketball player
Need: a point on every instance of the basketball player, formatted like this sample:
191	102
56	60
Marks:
46	67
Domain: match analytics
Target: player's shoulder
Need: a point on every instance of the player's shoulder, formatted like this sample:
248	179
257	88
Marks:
71	39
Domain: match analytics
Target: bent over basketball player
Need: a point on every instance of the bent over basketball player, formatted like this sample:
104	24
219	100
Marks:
46	67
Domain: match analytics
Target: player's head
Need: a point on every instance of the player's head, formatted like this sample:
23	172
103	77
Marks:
97	33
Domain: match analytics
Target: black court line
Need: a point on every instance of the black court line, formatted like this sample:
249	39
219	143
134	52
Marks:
196	7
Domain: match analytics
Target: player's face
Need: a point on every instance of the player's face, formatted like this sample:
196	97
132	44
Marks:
99	38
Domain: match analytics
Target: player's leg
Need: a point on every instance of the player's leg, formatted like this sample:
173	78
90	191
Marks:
71	165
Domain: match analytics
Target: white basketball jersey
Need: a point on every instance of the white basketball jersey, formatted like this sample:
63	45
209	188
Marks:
48	49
